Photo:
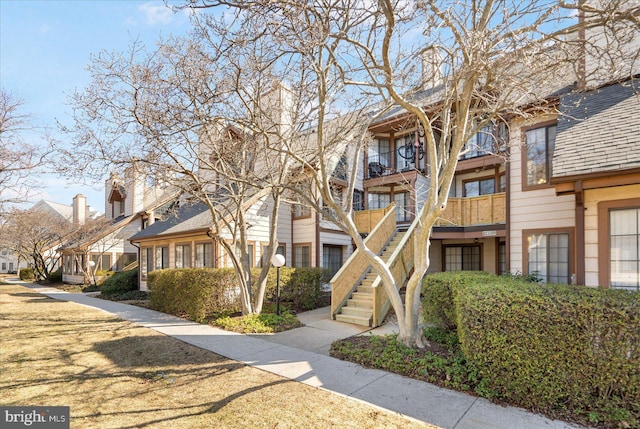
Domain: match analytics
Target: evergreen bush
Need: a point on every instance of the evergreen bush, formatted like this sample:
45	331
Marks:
119	283
554	347
27	274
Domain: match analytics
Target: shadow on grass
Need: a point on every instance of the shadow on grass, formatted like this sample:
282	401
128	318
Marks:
136	355
187	411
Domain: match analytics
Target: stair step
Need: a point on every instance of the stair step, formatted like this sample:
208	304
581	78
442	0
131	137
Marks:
357	311
356	320
365	289
361	296
361	303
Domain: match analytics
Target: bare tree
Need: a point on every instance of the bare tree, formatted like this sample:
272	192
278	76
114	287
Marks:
177	112
485	62
34	235
18	159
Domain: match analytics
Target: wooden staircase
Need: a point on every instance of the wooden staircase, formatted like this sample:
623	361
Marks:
359	306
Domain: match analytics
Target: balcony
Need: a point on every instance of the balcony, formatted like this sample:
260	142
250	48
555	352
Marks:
482	210
385	164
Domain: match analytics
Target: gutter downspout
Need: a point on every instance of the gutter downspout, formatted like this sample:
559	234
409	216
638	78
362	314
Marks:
580	241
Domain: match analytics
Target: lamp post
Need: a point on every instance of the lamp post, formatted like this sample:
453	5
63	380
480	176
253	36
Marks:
92	272
277	261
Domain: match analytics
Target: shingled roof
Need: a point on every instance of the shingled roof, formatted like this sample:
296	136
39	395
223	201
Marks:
598	131
188	217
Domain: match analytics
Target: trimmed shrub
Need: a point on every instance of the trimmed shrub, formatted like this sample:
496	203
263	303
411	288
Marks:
302	287
200	294
55	276
555	347
438	295
119	283
27	274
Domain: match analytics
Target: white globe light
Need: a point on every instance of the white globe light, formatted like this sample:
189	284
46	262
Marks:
277	260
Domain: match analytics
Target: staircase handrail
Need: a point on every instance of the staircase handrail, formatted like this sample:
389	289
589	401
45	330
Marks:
131	266
355	269
400	264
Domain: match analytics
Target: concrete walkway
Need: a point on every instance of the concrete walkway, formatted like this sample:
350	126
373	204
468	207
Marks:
302	355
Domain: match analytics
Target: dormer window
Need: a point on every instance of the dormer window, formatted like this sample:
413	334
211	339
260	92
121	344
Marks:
117	199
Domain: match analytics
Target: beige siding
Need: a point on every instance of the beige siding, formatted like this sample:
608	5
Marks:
536	209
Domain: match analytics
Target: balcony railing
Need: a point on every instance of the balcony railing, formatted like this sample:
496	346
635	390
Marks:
366	220
482	210
379	165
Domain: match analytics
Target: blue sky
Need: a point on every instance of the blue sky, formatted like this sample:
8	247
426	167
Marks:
46	45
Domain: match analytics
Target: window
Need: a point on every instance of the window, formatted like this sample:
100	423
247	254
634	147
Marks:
502	258
379	158
548	256
252	253
265	250
162	258
183	256
125	260
358	200
379	201
146	261
479	187
624	241
301	211
204	255
405	152
332	257
540	143
103	262
336	193
462	258
301	255
4	266
490	139
403	205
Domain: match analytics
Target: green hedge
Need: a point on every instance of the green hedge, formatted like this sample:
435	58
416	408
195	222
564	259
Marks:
27	274
55	276
302	287
438	295
555	347
120	283
202	294
199	294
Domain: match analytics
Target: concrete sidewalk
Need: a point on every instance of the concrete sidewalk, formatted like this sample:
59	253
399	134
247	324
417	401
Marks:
302	355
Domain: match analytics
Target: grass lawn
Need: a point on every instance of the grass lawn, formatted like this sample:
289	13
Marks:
114	374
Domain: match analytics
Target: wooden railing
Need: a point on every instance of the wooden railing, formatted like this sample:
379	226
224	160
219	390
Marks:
482	210
131	266
400	264
356	267
366	220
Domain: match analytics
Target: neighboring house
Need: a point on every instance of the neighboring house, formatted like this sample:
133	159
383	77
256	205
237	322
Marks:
9	262
130	205
66	214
